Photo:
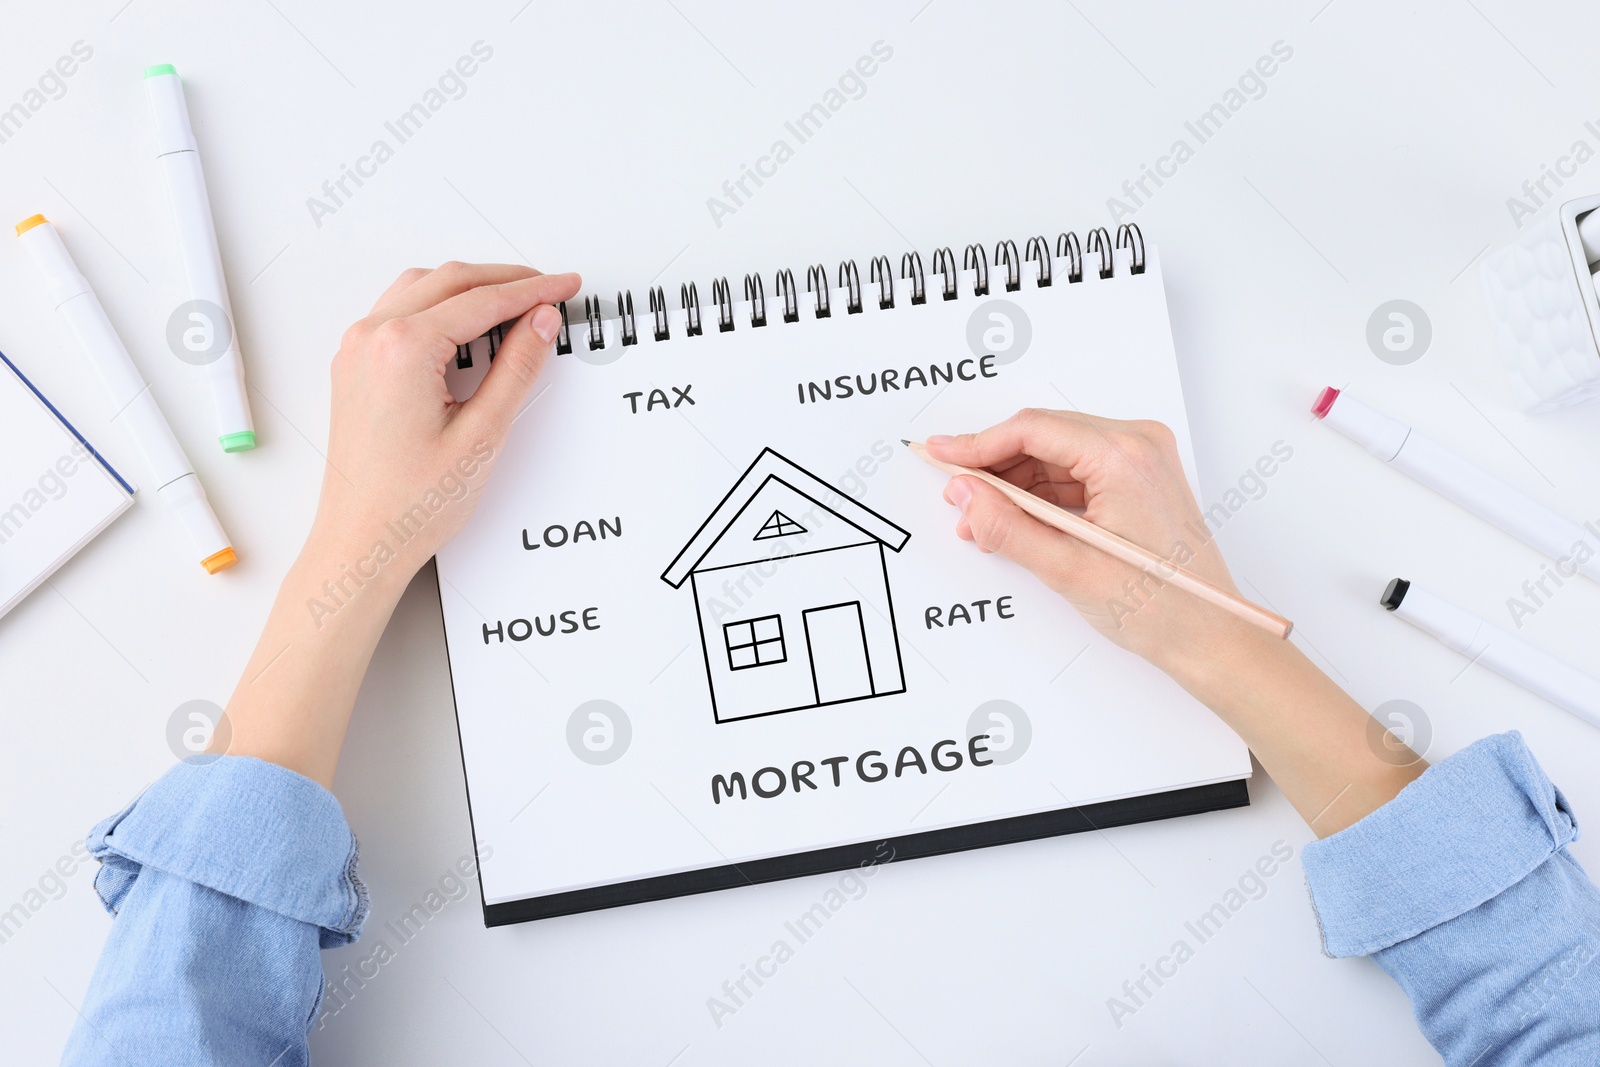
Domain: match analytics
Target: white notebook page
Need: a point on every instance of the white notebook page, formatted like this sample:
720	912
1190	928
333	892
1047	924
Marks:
796	629
54	494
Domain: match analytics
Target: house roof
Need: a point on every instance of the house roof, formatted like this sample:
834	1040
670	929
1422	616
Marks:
768	465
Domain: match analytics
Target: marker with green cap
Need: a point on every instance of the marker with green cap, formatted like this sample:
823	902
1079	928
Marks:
201	330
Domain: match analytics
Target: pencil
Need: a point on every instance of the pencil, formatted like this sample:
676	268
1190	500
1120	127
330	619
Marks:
1118	547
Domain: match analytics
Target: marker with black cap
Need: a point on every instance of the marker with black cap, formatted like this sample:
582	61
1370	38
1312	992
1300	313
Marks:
1500	650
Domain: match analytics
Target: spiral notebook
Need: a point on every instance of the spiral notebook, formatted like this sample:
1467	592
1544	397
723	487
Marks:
711	625
56	491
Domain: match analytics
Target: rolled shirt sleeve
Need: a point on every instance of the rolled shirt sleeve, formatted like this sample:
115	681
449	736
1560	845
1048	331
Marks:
226	877
1462	888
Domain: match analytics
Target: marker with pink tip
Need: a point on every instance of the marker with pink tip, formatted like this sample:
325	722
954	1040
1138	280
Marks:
1574	548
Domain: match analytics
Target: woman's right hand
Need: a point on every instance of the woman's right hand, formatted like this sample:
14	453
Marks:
1127	478
1323	750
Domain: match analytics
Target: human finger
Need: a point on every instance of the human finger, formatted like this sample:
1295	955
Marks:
450	280
408	277
1063	438
470	314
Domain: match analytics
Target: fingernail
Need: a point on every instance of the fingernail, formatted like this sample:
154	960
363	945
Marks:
546	322
958	493
938	440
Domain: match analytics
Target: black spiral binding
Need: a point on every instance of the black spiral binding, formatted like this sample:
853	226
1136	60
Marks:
911	267
691	309
1067	248
1098	248
784	284
817	282
496	337
882	275
756	297
850	282
978	260
1039	249
1130	237
1100	241
944	261
658	313
630	325
591	312
1005	252
724	298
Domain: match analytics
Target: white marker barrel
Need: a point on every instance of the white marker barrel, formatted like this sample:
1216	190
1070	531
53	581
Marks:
1500	650
204	330
1433	465
133	405
131	401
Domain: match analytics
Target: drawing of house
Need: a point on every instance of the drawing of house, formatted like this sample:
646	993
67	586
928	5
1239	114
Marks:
791	590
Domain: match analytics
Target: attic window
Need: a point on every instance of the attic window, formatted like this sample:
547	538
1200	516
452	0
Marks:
778	525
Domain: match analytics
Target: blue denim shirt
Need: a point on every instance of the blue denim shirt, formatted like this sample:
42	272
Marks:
227	878
1462	888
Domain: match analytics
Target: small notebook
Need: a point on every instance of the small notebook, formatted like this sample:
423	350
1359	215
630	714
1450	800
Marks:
711	624
56	491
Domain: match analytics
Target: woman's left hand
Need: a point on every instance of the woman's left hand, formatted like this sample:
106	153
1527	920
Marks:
402	453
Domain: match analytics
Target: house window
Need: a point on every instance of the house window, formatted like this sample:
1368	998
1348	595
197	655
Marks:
778	525
754	642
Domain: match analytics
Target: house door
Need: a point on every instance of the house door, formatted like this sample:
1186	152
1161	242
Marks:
836	640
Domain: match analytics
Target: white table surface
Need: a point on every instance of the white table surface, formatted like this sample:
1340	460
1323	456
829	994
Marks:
1376	166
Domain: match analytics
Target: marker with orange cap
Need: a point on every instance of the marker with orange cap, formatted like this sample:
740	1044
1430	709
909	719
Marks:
135	405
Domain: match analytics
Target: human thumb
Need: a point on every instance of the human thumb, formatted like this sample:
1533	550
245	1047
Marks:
504	391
